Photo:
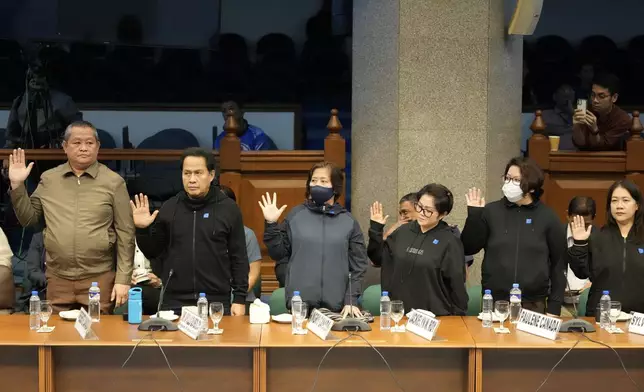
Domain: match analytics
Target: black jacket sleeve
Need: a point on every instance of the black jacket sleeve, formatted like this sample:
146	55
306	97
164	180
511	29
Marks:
453	274
579	257
281	267
556	248
238	257
34	261
277	240
153	240
357	264
475	232
376	245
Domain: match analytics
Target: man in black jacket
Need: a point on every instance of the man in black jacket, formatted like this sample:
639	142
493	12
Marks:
199	234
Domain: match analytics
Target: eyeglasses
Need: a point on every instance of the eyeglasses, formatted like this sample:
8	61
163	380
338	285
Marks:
599	96
507	180
427	213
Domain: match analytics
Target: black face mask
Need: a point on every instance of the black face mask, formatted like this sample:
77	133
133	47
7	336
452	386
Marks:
321	195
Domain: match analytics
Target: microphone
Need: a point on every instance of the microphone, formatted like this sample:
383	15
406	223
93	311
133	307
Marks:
157	323
350	323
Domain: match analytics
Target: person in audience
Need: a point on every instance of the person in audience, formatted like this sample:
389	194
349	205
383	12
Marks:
253	252
604	126
200	234
7	291
89	225
585	207
322	241
522	239
585	85
613	257
422	261
558	120
252	138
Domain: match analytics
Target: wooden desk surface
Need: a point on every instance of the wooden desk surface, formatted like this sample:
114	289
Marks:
486	338
452	333
113	331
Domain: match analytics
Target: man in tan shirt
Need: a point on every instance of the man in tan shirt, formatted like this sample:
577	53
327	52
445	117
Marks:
85	208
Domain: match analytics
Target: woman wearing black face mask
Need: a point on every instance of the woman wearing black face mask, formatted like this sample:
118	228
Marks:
322	242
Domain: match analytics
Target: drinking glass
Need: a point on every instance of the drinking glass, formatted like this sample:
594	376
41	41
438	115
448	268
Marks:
216	314
502	311
45	312
300	315
397	313
613	313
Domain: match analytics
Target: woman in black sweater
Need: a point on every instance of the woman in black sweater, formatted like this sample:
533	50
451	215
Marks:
613	257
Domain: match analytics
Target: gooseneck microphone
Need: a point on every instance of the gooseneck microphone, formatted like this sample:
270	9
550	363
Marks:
158	323
350	323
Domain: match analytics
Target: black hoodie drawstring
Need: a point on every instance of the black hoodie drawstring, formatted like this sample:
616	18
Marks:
413	262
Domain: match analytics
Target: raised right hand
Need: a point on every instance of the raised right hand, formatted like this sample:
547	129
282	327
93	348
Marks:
376	213
269	208
475	198
18	172
141	211
579	230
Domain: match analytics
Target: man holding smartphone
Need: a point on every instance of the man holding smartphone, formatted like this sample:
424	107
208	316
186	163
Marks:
605	126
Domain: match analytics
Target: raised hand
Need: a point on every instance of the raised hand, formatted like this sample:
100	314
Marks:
376	213
269	207
579	230
18	170
475	198
141	211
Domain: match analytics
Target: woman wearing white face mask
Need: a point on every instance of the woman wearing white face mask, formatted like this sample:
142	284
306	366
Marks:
522	239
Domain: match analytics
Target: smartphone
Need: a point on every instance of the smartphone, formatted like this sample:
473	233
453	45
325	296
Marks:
582	104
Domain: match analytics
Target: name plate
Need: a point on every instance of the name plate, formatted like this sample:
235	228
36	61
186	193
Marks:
191	324
539	324
422	324
319	324
83	324
636	325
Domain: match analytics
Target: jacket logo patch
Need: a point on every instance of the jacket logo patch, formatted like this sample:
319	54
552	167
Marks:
641	250
435	242
528	221
206	215
415	251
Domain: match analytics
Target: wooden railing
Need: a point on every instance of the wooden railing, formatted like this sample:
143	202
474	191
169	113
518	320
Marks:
576	173
249	174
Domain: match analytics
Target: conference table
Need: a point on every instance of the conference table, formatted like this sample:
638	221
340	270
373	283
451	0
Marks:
463	356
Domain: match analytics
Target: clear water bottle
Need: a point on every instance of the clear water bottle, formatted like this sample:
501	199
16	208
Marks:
202	310
34	311
488	309
296	302
95	303
604	309
515	303
385	312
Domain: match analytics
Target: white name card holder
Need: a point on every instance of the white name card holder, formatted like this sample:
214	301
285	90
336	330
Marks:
319	324
636	325
192	325
422	324
83	325
539	324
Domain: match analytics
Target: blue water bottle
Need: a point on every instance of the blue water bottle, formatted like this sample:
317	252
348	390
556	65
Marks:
135	306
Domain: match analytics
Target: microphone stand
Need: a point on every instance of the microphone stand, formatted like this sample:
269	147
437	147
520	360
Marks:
350	323
158	323
576	324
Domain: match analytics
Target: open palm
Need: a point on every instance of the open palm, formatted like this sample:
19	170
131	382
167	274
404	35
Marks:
579	230
376	213
18	169
474	198
141	211
269	207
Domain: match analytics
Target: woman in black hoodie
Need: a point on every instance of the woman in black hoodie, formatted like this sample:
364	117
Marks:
422	261
522	239
613	258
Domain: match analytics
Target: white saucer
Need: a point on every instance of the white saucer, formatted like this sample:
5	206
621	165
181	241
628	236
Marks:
284	318
69	315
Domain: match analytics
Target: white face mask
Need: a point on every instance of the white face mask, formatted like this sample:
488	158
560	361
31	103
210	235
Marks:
512	192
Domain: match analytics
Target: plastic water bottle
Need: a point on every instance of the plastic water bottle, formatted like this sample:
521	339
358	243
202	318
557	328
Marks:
95	303
488	309
515	303
295	304
604	308
202	310
34	311
385	312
